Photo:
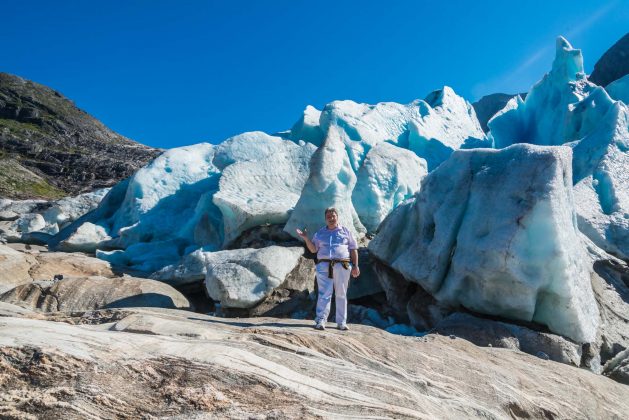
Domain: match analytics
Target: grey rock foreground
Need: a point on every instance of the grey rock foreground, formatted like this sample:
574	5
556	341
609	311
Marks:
485	332
132	362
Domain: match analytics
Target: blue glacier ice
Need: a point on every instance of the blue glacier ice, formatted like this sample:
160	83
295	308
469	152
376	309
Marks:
512	250
448	122
329	184
544	117
601	180
308	128
189	197
366	188
432	128
492	230
389	175
206	195
254	193
565	108
619	89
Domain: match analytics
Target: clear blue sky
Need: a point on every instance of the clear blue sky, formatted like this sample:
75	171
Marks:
171	73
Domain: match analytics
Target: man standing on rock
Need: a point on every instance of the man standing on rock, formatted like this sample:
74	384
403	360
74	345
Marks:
336	250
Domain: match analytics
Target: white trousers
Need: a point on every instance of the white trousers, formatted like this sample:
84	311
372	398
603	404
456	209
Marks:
326	285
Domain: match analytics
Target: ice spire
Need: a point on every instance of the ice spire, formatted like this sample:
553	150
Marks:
568	63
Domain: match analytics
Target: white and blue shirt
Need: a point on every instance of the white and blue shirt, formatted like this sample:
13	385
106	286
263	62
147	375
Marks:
334	244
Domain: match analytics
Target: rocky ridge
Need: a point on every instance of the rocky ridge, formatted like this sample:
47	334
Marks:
613	64
487	106
53	149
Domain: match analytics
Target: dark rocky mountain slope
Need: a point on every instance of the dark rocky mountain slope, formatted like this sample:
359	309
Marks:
487	106
612	65
50	148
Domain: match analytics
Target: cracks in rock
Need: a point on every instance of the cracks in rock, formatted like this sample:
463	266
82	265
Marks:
33	268
44	294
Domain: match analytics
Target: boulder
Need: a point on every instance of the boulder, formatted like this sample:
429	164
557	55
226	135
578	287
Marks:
292	298
87	293
49	264
17	268
243	278
618	368
86	238
192	268
490	333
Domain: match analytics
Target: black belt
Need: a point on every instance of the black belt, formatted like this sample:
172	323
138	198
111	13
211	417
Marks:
344	263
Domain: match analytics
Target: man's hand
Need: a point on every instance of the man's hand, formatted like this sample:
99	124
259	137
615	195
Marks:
355	271
303	234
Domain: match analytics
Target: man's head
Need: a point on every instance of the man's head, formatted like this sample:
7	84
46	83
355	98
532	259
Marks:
331	217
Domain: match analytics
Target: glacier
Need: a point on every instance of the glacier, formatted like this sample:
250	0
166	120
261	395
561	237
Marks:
512	251
330	184
356	157
565	108
253	193
432	128
191	197
490	221
388	176
546	116
619	89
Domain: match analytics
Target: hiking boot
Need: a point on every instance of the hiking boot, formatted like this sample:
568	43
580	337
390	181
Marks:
343	327
319	326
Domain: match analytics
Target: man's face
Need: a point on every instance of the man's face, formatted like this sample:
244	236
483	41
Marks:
331	219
